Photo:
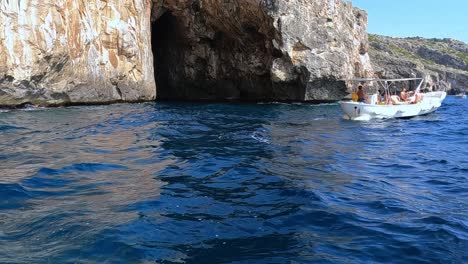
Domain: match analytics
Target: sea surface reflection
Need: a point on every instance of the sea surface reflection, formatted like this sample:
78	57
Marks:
231	183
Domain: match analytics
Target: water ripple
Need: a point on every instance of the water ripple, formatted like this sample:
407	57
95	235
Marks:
231	183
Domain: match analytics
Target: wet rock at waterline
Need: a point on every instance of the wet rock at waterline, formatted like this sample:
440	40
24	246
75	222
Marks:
58	52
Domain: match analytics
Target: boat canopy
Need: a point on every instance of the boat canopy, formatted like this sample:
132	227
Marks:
386	83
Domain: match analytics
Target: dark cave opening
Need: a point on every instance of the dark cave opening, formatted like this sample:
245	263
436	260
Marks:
167	47
228	66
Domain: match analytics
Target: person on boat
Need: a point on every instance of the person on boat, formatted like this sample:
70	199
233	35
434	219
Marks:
361	95
395	100
419	95
412	97
403	95
381	98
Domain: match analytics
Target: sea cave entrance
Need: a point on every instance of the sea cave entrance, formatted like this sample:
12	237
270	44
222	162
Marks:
167	47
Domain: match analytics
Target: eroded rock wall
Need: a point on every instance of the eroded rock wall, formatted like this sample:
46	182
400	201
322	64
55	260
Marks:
75	51
261	50
326	40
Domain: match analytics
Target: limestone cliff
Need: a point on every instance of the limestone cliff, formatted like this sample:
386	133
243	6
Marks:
258	50
65	51
442	62
76	51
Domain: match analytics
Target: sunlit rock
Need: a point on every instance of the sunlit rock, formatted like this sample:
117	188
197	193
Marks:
75	51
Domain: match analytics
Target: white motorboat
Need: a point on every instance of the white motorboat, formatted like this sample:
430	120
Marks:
461	96
391	106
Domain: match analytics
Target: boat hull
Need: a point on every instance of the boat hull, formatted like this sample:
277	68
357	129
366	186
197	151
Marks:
363	111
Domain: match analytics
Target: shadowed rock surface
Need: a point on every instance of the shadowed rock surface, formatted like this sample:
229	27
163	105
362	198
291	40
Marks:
258	50
59	52
443	63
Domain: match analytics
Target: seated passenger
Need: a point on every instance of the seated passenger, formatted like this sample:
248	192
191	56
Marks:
381	98
419	96
361	95
404	95
396	100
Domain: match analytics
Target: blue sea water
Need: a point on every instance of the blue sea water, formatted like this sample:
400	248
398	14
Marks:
232	183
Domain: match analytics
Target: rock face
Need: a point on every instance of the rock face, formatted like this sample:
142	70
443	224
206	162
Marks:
76	51
443	63
258	50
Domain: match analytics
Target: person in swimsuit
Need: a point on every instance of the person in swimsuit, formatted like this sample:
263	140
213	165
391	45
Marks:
404	95
381	96
361	95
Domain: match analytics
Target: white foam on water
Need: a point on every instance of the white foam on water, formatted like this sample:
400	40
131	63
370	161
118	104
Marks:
272	103
363	118
260	138
33	108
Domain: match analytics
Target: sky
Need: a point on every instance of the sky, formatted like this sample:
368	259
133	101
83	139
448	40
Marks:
411	18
